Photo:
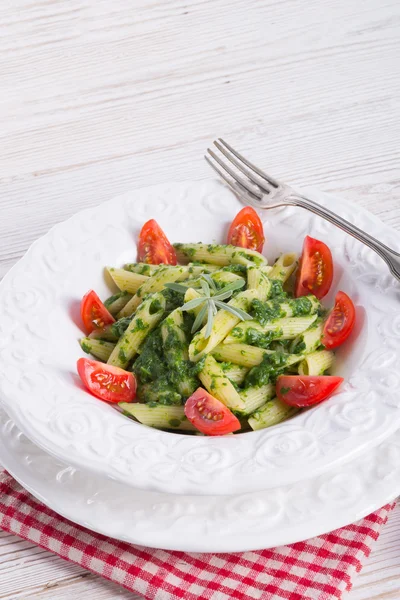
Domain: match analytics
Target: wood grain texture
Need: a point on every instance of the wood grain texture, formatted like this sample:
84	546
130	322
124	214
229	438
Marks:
100	97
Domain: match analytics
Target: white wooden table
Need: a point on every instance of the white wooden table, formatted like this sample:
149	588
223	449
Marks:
98	97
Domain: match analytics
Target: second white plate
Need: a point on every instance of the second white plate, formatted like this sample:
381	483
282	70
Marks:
283	515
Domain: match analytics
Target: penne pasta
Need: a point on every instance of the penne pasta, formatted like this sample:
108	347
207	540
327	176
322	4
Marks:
218	254
217	383
316	363
155	283
251	332
160	417
257	280
127	281
271	413
97	348
117	302
284	267
147	317
308	341
254	397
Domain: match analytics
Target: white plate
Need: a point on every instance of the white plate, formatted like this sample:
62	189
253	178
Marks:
282	515
39	300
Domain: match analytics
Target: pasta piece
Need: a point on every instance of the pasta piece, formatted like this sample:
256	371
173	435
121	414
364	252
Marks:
160	417
251	332
215	254
223	322
274	309
98	348
111	333
266	269
147	316
308	341
256	280
222	278
209	253
272	412
173	323
240	354
255	397
176	352
284	267
249	356
248	257
127	281
196	270
235	373
217	383
154	284
117	302
191	294
316	363
207	267
149	270
106	334
143	268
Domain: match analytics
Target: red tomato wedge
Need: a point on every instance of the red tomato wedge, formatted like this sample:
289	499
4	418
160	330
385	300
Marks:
247	230
106	382
209	415
154	247
93	312
340	322
315	272
305	390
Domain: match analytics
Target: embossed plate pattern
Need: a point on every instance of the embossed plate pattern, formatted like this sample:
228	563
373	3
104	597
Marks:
39	329
282	515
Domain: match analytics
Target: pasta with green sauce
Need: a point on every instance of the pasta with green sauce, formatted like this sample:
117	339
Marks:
237	362
221	320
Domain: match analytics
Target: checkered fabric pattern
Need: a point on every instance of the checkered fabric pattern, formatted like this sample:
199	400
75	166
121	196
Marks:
317	569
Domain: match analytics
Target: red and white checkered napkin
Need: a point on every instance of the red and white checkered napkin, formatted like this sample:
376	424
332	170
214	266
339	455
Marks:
318	569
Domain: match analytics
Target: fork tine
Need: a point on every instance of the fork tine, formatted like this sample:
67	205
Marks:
243	183
233	184
268	178
254	177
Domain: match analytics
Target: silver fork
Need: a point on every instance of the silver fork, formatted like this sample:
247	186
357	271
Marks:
260	190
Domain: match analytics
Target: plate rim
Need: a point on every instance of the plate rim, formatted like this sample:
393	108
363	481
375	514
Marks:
210	540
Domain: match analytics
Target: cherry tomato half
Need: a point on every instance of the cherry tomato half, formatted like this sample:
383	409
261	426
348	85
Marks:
154	247
209	415
247	230
305	390
340	322
93	312
106	382
315	272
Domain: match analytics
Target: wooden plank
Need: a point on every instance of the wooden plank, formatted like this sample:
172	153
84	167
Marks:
380	577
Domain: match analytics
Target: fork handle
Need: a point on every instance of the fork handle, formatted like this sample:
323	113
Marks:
391	257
